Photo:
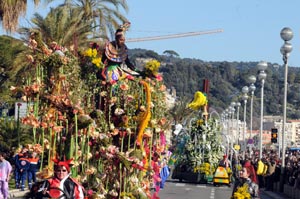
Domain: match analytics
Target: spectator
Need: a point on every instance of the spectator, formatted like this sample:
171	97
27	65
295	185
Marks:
23	165
33	168
253	176
17	173
245	179
5	171
269	177
164	173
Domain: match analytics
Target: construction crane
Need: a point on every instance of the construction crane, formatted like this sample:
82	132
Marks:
172	36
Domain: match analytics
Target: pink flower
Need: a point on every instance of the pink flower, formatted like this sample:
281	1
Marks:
130	77
159	78
90	192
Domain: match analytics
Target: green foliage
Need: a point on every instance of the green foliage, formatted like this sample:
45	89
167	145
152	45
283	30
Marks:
9	133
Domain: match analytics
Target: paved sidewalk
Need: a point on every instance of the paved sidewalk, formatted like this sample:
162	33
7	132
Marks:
275	195
17	193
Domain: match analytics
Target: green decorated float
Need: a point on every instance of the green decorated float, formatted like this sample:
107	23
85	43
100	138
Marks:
198	145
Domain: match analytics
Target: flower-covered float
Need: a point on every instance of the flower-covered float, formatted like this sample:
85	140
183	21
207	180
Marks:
115	133
198	145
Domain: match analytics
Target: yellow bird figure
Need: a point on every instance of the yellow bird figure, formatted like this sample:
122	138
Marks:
198	102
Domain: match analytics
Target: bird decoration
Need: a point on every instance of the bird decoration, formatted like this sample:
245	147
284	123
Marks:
199	101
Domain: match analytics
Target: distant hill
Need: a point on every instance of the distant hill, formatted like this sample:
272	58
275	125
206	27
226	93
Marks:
226	80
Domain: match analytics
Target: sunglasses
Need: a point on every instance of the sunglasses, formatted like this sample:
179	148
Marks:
61	170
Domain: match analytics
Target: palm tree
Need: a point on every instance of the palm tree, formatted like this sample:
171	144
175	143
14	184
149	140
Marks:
63	25
11	10
180	113
105	14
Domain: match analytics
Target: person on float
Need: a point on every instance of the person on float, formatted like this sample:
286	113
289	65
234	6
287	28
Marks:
114	55
61	184
224	162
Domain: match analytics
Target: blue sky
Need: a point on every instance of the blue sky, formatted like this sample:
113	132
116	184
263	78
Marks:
251	28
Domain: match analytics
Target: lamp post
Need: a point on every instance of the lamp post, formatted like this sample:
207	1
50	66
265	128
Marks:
252	80
226	121
232	122
262	66
286	34
238	104
245	90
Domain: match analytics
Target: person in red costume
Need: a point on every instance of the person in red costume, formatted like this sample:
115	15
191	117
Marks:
253	175
61	185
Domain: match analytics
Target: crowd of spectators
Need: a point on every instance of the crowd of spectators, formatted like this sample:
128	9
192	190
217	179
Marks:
272	170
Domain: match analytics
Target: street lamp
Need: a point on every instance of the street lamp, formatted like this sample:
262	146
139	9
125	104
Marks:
286	34
232	122
238	104
252	80
245	90
262	66
227	127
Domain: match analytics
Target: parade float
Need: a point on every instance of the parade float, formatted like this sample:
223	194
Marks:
198	145
114	132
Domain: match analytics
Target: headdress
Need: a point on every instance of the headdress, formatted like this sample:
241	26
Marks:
122	29
67	163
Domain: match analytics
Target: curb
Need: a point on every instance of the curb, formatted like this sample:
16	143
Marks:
275	195
17	193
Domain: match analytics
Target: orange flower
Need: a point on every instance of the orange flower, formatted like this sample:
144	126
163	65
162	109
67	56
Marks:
32	44
30	58
115	132
124	87
162	88
57	129
35	88
113	100
162	121
44	125
46	51
75	111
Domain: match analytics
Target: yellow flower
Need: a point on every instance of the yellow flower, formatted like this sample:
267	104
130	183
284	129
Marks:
88	52
97	62
242	193
94	52
152	66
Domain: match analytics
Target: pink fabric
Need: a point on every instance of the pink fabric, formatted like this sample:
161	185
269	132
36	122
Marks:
5	170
